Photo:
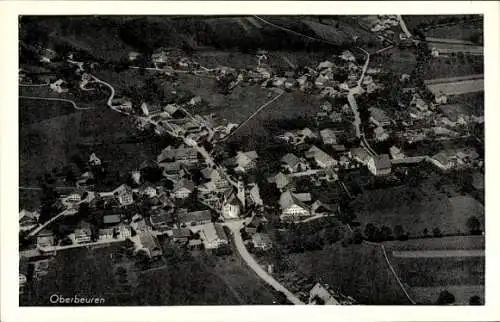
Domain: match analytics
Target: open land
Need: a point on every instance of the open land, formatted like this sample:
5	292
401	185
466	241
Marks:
455	271
359	271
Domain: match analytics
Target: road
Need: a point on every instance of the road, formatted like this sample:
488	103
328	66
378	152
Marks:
76	107
67	212
248	258
439	253
403	26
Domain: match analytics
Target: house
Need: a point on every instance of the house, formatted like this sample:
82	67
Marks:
183	155
94	160
328	136
262	241
254	223
195	218
292	163
106	233
144	109
281	180
360	155
47	55
254	194
478	181
124	194
379	165
45	238
245	160
319	207
215	176
28	219
444	161
292	208
148	191
195	244
160	218
150	243
183	188
380	134
321	158
319	294
111	220
231	205
347	56
379	117
325	64
83	234
133	56
181	235
59	86
213	236
396	153
306	133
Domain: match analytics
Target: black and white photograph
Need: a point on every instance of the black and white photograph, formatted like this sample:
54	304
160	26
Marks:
251	159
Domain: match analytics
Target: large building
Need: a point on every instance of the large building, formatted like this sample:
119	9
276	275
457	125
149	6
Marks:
293	207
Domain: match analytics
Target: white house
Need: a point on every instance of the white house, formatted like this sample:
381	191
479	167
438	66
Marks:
124	194
262	241
328	136
292	208
183	188
319	294
321	158
245	161
94	160
379	165
292	163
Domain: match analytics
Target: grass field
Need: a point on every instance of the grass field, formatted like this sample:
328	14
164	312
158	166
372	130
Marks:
400	61
82	271
359	271
416	210
426	277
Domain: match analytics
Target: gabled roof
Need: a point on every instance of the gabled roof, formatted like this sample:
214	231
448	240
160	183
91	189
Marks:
290	159
382	161
184	183
319	155
243	158
288	199
360	153
181	233
321	292
122	189
200	215
281	180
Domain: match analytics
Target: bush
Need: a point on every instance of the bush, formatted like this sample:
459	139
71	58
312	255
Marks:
445	298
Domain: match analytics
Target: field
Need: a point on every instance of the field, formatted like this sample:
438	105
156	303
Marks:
82	271
417	209
453	66
458	88
52	142
359	271
399	61
460	269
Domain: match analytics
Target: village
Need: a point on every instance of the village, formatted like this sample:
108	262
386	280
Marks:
202	196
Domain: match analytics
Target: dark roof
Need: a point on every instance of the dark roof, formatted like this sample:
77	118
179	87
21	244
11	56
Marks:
219	230
195	216
290	159
184	183
382	161
181	233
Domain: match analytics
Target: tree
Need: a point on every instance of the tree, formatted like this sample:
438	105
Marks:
474	225
371	232
475	300
399	232
437	232
385	233
445	298
357	237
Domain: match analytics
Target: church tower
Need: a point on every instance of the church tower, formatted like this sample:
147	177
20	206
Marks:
241	193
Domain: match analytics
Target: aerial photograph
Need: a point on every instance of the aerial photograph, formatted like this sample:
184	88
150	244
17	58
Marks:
251	160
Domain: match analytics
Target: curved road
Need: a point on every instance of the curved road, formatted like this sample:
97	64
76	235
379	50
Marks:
242	250
403	26
56	99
